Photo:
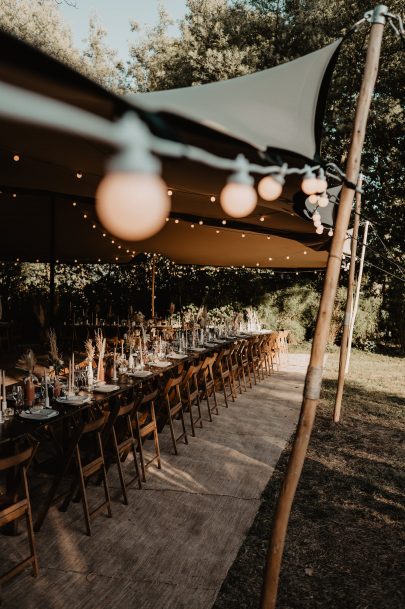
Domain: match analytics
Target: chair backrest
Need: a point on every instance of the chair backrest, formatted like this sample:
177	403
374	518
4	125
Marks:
149	397
96	425
20	459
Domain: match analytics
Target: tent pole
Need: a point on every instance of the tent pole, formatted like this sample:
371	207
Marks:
313	379
153	286
357	297
349	307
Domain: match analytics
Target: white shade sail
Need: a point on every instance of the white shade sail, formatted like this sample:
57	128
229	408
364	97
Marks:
274	108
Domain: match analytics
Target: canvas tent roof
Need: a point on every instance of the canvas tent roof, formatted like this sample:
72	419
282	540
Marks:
43	223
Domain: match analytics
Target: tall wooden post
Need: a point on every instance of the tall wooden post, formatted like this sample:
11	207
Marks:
349	308
313	379
153	286
52	265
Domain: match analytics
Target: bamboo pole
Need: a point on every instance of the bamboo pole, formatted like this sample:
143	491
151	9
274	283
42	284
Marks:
357	297
349	308
153	286
313	379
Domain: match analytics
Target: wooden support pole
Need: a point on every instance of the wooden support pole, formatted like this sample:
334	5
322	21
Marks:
52	264
313	379
153	286
357	297
349	308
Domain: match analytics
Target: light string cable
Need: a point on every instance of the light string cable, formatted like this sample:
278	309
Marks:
370	248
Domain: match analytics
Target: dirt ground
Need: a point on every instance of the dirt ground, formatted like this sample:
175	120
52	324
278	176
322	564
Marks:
345	544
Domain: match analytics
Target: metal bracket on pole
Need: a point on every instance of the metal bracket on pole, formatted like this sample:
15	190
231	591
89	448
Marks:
377	15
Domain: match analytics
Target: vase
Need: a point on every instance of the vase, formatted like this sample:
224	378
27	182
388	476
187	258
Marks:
90	376
29	391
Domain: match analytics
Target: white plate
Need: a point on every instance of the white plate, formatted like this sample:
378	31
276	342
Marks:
176	355
210	344
41	415
197	349
74	400
140	374
160	364
106	388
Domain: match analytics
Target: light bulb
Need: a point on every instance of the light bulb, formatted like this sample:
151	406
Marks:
323	200
132	206
224	222
322	183
169	192
309	183
16	157
330	233
316	216
317	223
319	229
270	187
212	199
238	198
313	199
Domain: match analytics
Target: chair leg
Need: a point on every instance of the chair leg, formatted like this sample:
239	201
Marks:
31	540
172	432
83	493
183	424
105	481
119	466
141	457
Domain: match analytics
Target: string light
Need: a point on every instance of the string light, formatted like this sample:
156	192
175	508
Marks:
305	252
271	187
238	198
212	199
192	225
170	193
268	237
313	199
167	219
74	203
79	175
330	232
323	200
243	235
176	221
132	200
217	231
16	158
14	195
104	234
224	222
94	226
200	222
319	229
270	259
85	216
262	219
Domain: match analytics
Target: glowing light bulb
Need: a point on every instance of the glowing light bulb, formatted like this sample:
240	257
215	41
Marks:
16	158
309	183
270	259
323	200
223	222
319	229
243	235
217	231
132	206
316	216
176	221
74	203
305	253
313	199
330	232
238	198
270	187
79	175
212	199
200	222
317	223
322	183
191	225
261	218
170	193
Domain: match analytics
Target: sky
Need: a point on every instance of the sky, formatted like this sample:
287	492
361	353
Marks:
114	15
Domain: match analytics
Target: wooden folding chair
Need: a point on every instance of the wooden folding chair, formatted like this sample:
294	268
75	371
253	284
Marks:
223	376
15	504
243	361
123	443
191	395
233	366
174	405
95	464
206	384
145	424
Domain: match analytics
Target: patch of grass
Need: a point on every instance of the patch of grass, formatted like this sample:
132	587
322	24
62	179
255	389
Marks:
345	543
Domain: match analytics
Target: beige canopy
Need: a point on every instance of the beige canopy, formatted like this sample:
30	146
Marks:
39	190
